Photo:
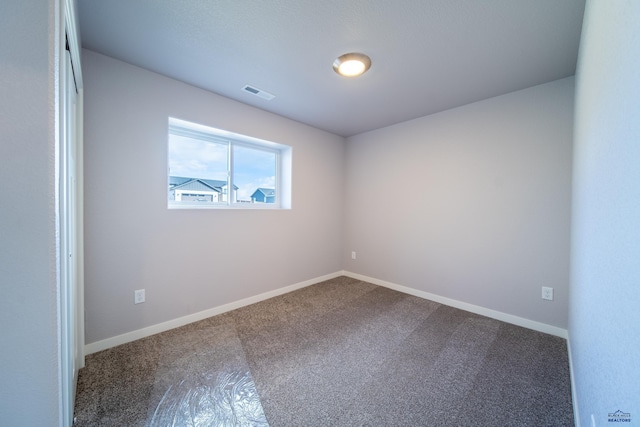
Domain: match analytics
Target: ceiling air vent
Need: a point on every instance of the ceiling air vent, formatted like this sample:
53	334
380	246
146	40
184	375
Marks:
259	92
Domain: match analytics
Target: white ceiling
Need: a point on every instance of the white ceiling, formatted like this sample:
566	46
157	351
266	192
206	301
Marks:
428	55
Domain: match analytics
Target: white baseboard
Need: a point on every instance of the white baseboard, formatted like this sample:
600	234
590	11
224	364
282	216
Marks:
185	320
195	317
498	315
574	395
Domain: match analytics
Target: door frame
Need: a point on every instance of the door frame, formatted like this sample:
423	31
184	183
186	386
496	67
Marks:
69	202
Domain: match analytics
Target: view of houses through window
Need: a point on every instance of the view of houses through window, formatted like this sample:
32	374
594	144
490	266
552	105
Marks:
210	167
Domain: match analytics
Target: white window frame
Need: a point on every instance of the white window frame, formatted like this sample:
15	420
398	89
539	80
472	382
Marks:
282	152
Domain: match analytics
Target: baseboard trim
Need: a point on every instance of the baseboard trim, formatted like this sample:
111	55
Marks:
574	394
195	317
498	315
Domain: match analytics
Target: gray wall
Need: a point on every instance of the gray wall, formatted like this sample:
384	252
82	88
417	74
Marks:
28	306
471	204
604	323
191	260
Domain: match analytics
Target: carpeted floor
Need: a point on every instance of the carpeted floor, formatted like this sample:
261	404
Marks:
339	353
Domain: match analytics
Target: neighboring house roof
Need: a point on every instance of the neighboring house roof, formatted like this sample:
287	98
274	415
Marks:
197	183
268	192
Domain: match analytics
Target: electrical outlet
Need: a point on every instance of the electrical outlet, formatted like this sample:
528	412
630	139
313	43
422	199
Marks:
353	255
138	296
547	293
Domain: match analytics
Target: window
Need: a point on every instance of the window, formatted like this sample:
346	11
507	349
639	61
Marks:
213	168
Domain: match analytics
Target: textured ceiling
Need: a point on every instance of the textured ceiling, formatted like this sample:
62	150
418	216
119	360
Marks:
428	55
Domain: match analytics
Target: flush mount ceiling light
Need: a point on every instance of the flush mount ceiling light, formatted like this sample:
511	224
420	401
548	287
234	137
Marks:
351	64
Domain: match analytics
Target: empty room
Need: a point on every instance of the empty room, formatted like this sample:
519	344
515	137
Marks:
339	213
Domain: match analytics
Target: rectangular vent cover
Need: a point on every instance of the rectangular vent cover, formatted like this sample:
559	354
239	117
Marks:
258	92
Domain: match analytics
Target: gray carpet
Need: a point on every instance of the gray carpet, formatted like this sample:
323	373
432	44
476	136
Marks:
339	353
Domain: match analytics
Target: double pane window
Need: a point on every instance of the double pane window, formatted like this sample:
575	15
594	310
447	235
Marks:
213	168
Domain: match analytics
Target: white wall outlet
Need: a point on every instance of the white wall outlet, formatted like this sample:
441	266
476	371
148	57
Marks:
353	255
138	296
547	293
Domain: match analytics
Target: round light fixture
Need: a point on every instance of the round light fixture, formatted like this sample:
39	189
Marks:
351	64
